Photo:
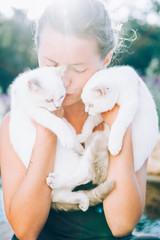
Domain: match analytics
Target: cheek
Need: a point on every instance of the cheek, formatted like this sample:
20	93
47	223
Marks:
80	80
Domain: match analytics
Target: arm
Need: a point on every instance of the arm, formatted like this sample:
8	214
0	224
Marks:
27	197
125	204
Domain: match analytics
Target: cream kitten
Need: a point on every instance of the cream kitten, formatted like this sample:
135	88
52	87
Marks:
123	86
72	170
34	95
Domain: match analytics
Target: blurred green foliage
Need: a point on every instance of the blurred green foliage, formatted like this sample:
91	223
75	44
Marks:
16	47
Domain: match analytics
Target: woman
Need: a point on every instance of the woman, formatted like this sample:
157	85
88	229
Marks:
78	34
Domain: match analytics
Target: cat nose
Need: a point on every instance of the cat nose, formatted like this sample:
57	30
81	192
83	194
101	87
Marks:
57	105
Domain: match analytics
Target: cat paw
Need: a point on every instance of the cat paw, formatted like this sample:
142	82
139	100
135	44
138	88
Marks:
84	203
52	181
114	146
78	147
67	140
81	138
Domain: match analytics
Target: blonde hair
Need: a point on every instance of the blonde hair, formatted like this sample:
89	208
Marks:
82	18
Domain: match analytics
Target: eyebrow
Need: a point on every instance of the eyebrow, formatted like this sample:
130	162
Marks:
73	64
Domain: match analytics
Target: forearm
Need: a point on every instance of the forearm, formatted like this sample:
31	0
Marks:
123	206
30	204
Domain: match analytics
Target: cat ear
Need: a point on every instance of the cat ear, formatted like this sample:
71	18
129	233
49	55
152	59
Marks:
34	85
60	70
101	91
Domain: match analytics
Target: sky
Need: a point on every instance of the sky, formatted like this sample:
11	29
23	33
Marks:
122	7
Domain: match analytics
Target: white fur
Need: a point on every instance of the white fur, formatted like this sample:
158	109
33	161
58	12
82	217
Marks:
88	127
32	95
123	86
73	169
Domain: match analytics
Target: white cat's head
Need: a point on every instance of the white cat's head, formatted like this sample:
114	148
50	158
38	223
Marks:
45	87
99	94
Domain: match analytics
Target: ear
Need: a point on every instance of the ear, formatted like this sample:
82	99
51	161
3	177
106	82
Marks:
60	70
107	59
34	85
101	91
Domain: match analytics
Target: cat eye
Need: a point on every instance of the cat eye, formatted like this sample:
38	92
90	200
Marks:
61	97
50	100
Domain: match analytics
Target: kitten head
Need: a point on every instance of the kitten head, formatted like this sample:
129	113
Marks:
45	87
99	94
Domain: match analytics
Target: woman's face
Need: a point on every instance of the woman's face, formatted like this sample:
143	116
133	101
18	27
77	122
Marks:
78	55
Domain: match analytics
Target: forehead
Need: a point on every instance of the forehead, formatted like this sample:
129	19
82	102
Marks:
66	49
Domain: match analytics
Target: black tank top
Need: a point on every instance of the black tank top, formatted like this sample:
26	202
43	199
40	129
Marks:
76	225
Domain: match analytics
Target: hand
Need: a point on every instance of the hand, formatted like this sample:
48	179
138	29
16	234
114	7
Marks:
110	116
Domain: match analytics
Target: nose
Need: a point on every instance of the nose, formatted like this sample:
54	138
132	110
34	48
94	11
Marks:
66	79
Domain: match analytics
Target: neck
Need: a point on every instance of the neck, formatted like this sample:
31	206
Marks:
76	115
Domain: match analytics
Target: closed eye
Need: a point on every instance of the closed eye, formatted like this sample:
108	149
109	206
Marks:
49	100
79	71
61	97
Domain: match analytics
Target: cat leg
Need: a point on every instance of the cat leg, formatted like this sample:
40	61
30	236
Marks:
99	155
99	166
82	175
67	197
64	206
99	193
125	117
55	124
89	125
77	145
76	201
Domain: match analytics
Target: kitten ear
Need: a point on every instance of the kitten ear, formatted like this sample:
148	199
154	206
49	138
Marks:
60	70
101	91
34	85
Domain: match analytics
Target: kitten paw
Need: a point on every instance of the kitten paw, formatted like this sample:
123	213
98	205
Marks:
114	146
52	181
81	138
67	140
84	203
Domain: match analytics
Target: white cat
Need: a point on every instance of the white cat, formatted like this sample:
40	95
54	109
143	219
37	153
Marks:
34	95
123	86
72	170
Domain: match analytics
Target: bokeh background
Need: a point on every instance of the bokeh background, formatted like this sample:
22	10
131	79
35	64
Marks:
139	48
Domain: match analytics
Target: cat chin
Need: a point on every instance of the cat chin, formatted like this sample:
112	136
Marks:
92	113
